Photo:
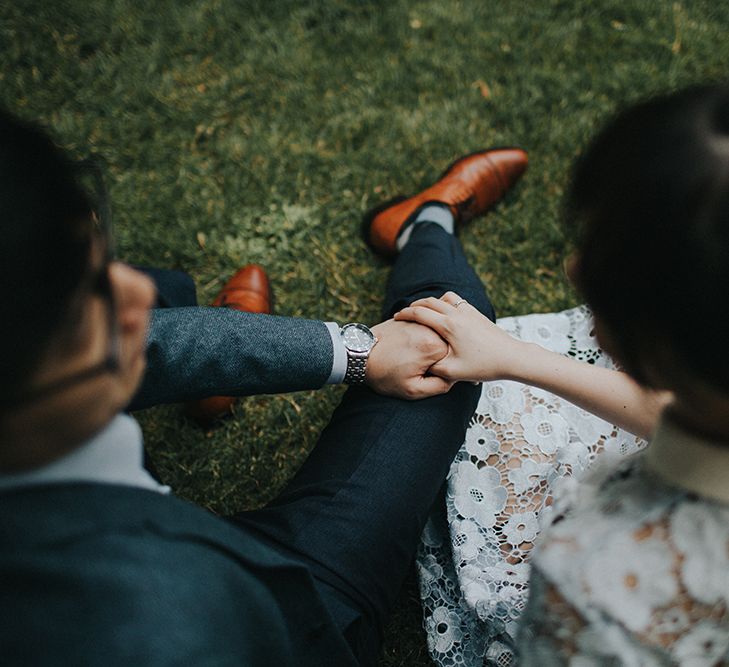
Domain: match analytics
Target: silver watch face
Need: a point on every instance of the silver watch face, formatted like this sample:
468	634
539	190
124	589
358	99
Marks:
357	337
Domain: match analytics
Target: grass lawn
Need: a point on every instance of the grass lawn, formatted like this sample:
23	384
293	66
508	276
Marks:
261	130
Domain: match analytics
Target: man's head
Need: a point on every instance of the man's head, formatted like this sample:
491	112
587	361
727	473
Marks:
650	207
74	322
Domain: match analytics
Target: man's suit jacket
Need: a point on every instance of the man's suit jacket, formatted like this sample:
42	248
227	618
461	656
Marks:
95	574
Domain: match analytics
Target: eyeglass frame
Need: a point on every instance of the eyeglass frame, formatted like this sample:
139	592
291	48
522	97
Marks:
101	285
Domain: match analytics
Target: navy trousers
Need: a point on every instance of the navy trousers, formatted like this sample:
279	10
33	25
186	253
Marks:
357	507
355	510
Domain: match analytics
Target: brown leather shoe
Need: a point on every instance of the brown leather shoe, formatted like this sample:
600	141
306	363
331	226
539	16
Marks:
249	291
469	187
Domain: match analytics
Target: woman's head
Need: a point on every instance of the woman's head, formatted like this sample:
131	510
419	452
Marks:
649	205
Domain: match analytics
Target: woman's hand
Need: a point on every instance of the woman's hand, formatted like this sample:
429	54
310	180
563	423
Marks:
478	349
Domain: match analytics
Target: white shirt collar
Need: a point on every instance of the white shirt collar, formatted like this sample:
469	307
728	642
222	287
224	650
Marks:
689	461
115	455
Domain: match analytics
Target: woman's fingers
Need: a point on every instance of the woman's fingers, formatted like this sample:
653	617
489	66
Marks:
452	299
425	315
431	302
445	304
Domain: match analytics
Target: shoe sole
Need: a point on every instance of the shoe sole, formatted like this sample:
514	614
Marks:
370	215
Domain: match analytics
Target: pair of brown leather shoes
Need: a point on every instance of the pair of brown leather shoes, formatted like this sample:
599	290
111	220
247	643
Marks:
469	187
248	290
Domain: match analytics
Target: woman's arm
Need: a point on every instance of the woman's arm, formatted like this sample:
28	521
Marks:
481	351
609	394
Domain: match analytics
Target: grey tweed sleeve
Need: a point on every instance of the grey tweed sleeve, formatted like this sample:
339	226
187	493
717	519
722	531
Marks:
198	352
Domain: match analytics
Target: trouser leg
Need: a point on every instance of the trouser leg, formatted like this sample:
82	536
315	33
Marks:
356	509
431	264
175	289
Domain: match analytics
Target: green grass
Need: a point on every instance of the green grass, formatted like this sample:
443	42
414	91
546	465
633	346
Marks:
260	131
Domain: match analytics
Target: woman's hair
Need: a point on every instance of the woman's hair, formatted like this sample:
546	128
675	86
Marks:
45	232
649	205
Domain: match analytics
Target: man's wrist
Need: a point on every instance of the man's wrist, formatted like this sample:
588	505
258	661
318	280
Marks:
358	341
339	357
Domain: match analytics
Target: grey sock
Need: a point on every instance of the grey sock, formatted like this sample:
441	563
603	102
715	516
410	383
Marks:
436	213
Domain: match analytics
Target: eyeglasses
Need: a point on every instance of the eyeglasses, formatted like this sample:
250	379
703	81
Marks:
90	177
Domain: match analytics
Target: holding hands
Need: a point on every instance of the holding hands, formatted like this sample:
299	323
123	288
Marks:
435	343
478	350
399	365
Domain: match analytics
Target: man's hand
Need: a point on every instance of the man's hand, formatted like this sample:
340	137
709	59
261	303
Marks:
398	364
479	351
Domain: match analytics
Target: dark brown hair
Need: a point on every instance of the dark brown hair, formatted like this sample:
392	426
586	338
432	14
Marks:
649	206
44	246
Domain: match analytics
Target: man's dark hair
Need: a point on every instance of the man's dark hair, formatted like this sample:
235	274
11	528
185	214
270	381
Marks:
44	246
649	203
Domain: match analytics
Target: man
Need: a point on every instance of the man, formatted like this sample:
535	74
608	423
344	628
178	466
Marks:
99	563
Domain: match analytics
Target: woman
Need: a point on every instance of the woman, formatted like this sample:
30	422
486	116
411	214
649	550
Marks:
633	564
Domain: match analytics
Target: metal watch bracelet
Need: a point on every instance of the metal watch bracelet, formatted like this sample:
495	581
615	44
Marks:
356	368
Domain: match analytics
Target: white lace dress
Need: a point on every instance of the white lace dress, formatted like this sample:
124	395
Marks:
621	581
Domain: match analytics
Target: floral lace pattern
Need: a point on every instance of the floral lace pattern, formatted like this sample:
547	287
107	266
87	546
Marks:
523	449
639	576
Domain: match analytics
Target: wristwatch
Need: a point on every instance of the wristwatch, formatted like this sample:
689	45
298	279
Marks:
358	341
